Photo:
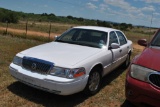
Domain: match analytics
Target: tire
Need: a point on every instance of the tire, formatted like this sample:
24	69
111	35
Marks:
127	61
94	81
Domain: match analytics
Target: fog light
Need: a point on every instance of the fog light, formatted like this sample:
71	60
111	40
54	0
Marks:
130	93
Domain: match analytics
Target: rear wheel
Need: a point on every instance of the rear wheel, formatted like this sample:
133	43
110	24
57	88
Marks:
93	85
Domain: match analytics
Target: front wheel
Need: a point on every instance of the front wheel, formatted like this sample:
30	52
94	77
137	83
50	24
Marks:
93	85
127	61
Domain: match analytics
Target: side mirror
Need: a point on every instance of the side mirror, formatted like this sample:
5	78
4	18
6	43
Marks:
142	42
114	46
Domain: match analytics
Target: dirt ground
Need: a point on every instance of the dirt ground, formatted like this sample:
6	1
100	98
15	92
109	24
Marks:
28	32
136	46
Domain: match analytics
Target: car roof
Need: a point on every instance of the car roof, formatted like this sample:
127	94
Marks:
104	29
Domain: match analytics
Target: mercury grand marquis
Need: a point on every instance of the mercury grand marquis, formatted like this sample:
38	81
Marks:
76	61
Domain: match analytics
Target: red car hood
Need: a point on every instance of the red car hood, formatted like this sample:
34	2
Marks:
149	58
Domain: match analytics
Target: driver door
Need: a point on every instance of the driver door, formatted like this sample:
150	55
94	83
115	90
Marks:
116	53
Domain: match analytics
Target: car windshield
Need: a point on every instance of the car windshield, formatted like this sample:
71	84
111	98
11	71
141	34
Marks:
85	37
156	40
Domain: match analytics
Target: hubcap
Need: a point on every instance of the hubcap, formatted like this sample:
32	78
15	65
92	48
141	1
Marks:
94	81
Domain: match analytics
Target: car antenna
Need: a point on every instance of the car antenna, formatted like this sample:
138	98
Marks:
150	27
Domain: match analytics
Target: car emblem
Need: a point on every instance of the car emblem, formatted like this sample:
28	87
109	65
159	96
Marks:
34	66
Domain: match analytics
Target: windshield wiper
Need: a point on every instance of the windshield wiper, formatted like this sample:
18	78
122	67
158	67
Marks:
79	43
70	42
60	41
87	44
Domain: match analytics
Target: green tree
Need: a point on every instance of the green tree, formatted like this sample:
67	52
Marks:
123	26
8	16
130	26
70	17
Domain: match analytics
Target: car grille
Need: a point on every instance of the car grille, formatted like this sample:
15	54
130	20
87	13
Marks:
36	65
155	79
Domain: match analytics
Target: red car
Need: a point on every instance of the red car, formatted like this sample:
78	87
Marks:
143	77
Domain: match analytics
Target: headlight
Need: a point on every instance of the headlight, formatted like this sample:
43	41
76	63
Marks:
140	73
67	73
17	60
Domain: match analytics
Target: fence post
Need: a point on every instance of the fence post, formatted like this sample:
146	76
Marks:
26	27
49	31
6	28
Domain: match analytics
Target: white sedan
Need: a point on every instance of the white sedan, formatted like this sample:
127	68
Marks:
76	61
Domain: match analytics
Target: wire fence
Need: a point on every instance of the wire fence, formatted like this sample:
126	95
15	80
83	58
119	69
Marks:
29	31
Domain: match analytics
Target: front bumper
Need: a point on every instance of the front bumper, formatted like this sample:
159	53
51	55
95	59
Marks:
141	92
53	84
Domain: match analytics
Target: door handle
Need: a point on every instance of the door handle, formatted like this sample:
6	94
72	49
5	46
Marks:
120	50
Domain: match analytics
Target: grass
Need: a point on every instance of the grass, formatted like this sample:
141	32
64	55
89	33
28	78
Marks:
8	49
14	93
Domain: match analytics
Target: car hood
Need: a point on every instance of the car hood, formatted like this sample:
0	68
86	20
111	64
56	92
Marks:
61	54
149	58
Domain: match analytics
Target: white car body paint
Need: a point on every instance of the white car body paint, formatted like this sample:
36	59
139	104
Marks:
70	56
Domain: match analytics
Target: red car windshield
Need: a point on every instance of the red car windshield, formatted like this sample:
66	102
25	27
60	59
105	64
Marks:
156	40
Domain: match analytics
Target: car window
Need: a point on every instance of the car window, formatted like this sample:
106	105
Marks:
92	36
69	35
121	37
156	40
113	38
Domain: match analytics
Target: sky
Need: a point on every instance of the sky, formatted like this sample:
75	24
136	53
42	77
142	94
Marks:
136	12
